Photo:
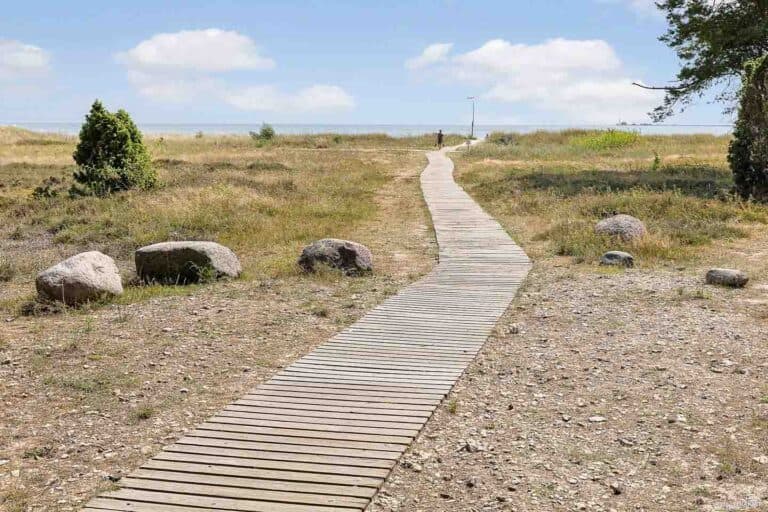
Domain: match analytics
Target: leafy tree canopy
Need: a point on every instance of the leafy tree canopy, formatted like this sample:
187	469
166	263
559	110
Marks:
713	40
748	153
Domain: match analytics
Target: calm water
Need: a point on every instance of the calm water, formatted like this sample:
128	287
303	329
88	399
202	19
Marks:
395	130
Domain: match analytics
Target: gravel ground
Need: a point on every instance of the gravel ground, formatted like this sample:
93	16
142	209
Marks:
604	390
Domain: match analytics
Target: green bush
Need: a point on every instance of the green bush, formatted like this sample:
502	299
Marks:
608	139
267	132
111	155
501	138
748	152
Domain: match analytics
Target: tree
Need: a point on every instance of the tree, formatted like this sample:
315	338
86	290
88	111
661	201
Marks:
713	40
748	152
111	155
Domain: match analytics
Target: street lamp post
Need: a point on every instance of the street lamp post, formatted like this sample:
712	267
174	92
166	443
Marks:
472	126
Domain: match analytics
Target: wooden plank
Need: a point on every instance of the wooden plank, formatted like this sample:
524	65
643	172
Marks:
351	484
212	456
240	493
249	482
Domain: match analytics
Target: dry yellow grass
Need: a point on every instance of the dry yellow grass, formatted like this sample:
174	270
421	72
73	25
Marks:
551	189
265	201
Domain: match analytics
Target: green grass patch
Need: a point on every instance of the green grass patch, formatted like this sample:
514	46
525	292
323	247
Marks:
602	140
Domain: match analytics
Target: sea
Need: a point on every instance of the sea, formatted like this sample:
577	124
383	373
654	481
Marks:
394	130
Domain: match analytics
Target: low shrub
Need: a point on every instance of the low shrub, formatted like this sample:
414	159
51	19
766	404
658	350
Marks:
605	139
111	155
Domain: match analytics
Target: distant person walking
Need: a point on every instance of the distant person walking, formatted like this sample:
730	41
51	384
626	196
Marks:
439	139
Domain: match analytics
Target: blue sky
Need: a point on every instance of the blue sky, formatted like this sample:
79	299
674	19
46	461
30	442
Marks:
394	62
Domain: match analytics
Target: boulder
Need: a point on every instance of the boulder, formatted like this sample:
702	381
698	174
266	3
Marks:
623	226
727	277
351	258
618	258
185	262
83	277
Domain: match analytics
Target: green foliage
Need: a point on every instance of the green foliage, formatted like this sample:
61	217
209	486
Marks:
713	40
607	139
50	187
748	152
111	155
267	132
501	138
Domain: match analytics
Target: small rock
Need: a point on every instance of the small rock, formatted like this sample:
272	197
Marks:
618	259
623	226
183	390
617	488
597	419
762	459
351	258
727	277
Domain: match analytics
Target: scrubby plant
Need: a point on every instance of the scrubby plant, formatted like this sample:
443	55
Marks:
111	155
748	152
605	139
50	187
267	132
501	138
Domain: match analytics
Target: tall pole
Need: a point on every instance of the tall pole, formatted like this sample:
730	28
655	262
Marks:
472	126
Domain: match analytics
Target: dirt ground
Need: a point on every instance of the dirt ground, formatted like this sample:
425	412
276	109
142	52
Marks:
87	396
606	390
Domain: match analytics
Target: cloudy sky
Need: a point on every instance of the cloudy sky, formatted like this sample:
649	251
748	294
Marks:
528	61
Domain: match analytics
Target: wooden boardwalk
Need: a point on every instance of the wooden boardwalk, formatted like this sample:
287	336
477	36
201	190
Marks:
323	434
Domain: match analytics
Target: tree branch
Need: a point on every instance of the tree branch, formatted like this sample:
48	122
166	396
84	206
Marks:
660	88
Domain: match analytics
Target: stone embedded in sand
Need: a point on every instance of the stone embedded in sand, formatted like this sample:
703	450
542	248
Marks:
623	226
727	277
351	258
83	277
185	262
618	258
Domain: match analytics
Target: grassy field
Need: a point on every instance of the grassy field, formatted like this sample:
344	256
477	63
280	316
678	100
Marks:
264	200
552	187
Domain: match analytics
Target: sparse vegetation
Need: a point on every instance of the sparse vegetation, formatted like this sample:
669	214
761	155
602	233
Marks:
601	140
554	192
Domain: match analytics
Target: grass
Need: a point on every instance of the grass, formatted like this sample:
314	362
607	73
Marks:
605	139
552	188
264	201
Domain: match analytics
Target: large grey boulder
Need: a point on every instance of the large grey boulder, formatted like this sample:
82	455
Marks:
83	277
623	226
618	258
727	277
351	258
185	262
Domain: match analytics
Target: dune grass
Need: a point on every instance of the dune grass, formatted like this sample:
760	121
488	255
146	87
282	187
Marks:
551	189
265	201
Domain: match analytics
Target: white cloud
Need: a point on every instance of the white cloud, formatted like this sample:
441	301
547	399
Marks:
191	65
207	51
579	80
19	60
432	54
268	99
